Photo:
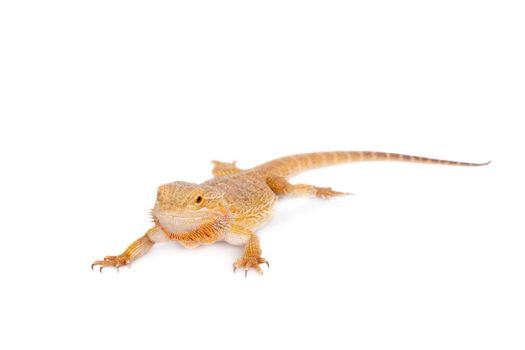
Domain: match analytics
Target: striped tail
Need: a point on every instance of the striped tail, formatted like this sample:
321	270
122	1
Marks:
293	165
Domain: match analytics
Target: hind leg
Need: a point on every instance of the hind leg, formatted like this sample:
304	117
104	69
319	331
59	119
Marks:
281	186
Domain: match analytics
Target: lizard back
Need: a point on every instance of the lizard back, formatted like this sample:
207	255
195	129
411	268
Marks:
248	198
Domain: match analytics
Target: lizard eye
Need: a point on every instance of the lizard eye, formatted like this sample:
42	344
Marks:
199	200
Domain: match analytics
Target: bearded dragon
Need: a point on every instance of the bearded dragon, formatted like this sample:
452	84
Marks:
235	202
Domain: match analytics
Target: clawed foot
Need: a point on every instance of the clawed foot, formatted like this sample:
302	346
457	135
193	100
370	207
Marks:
327	192
250	262
115	261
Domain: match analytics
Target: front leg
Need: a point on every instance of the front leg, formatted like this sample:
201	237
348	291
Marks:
135	250
252	252
222	168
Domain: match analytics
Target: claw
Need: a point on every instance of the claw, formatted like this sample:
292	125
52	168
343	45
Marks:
250	262
98	262
114	261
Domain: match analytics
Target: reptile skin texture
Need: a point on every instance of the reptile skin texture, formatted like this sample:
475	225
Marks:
235	202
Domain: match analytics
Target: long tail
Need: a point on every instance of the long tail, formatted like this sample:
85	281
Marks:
293	165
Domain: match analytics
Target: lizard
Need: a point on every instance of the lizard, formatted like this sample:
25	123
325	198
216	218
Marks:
233	204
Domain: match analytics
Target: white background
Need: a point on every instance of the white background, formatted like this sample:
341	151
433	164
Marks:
102	101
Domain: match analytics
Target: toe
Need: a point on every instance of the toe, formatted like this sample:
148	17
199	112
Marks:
115	261
250	263
98	262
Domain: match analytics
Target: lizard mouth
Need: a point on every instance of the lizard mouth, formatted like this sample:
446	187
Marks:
181	221
202	225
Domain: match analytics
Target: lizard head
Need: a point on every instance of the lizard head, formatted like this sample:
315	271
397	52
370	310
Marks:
183	206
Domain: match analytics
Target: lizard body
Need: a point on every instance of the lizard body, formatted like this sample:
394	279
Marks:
235	202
